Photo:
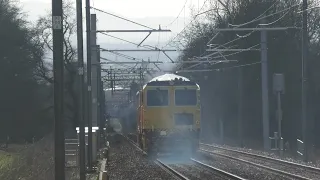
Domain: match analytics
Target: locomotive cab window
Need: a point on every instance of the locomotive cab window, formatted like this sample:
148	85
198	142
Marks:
157	97
185	97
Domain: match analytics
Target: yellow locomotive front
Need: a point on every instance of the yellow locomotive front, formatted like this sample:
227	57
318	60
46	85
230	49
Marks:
170	115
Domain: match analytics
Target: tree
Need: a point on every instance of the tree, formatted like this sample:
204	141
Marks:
44	26
284	56
21	100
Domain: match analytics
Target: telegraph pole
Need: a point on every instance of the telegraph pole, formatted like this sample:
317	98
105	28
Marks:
58	66
94	71
89	101
140	77
100	98
221	107
304	79
240	106
265	87
81	88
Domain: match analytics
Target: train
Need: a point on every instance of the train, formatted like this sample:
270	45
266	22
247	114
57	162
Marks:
167	116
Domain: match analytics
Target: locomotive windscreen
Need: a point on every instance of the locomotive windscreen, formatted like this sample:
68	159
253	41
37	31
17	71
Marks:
185	97
157	98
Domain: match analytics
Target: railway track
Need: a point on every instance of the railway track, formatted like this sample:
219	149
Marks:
175	174
277	166
135	144
203	169
170	170
218	172
193	169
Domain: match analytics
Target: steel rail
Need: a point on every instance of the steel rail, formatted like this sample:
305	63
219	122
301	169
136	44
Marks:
256	165
135	145
309	168
170	170
219	171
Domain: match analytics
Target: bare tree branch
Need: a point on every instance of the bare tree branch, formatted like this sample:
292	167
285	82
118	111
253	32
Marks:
44	27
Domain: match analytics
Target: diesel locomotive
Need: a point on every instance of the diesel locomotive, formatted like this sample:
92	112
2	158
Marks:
168	115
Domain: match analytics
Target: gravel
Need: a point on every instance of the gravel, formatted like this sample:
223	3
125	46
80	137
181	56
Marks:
239	168
273	155
127	163
194	172
269	163
133	137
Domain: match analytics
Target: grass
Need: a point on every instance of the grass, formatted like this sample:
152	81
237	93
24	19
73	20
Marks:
32	162
6	160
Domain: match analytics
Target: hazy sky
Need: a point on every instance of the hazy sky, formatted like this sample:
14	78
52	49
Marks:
147	12
128	8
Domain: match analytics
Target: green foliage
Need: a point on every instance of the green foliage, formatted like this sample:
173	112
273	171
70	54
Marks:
220	96
6	160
